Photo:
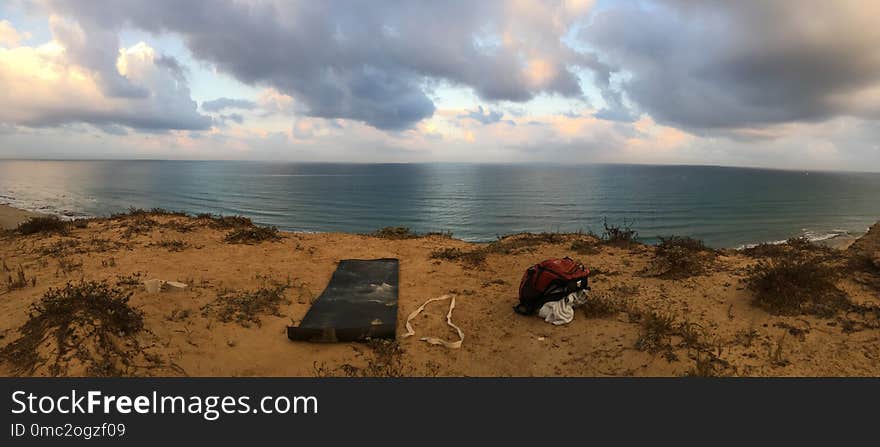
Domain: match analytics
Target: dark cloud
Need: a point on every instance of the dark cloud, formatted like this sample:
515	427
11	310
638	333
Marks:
483	116
366	61
712	65
219	104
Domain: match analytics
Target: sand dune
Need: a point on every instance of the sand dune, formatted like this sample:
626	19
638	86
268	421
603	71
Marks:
649	324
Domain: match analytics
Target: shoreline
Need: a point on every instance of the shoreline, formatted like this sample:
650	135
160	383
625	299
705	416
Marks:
11	216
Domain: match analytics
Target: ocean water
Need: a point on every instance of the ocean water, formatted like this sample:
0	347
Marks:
726	207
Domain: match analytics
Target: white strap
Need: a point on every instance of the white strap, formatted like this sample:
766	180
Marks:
434	340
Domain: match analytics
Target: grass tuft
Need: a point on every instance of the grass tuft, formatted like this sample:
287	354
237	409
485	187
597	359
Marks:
43	225
225	222
395	233
252	235
619	235
246	307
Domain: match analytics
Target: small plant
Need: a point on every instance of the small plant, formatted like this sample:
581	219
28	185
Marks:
746	337
245	307
132	280
179	225
494	282
60	247
793	285
43	225
796	246
386	361
67	265
225	222
443	234
252	235
139	223
89	321
681	257
705	365
585	247
395	233
776	354
600	306
516	243
621	235
20	280
471	258
656	329
173	245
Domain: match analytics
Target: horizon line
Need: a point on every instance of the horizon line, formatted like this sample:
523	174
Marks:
476	163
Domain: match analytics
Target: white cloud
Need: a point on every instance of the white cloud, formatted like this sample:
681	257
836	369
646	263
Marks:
47	86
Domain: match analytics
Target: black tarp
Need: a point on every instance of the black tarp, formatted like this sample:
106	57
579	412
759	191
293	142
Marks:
359	302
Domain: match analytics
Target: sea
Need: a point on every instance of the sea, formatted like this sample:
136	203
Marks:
723	206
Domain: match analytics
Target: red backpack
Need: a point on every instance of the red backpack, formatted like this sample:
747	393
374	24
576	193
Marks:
550	280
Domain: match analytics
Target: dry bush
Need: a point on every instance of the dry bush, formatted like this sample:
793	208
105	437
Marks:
585	247
601	305
619	235
794	285
89	323
681	257
245	307
395	233
471	258
67	247
20	280
43	225
67	265
225	222
179	225
138	224
657	328
511	244
252	235
172	245
796	246
132	211
517	243
132	280
61	247
386	361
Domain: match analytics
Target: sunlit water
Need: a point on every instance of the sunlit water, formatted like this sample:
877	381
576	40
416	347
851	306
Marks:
726	207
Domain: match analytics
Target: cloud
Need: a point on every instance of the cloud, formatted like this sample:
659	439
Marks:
485	117
53	85
717	66
219	104
9	36
367	61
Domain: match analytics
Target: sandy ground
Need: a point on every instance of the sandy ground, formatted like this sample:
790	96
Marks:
738	338
10	217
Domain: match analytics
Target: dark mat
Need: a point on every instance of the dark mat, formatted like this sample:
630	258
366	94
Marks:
359	302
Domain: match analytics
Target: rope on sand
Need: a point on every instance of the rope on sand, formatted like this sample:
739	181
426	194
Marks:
433	340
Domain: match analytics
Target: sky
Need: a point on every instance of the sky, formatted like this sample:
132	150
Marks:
780	84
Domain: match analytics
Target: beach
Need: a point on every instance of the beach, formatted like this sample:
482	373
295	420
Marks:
710	325
10	217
